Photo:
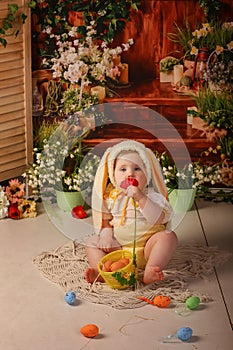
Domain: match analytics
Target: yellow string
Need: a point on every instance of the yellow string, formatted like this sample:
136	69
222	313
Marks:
113	194
123	213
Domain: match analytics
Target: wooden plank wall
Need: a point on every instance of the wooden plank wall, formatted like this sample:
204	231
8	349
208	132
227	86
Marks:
149	27
15	100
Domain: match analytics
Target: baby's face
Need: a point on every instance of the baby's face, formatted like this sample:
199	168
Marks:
130	164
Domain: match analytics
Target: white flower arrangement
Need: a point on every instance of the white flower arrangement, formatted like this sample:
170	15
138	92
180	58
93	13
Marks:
191	176
61	164
84	61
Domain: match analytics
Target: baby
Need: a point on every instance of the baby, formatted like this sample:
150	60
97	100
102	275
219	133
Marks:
113	211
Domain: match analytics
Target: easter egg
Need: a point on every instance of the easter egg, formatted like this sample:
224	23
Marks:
184	333
162	301
89	330
125	261
107	266
70	297
117	265
192	302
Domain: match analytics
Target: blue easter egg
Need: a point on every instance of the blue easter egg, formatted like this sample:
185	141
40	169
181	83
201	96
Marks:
70	297
184	333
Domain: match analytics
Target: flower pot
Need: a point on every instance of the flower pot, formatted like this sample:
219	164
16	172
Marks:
68	200
167	77
189	66
182	200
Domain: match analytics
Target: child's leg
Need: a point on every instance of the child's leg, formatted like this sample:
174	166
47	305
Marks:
94	255
158	252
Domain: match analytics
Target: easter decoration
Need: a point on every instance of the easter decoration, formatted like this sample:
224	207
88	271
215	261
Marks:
183	334
191	303
161	301
89	330
119	268
70	297
4	203
79	212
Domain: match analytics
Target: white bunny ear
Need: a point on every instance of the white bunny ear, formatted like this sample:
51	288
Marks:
156	175
99	187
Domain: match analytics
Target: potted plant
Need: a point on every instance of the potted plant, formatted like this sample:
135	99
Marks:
63	165
166	69
216	110
183	183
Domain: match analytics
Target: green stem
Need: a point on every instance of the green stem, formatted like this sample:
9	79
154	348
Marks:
135	232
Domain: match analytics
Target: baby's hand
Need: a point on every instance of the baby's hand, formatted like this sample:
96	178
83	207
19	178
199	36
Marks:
106	241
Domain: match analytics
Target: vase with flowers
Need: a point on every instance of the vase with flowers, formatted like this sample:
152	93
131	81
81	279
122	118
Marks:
183	183
82	62
64	165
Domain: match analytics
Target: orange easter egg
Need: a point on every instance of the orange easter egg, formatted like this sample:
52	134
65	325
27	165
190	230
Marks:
162	301
107	266
89	330
117	265
124	261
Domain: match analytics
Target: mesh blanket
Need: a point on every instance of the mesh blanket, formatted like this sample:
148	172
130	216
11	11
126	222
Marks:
65	266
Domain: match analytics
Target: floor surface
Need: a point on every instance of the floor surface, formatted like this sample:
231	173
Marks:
34	315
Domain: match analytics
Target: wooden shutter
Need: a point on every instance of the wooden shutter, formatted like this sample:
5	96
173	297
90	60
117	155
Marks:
15	99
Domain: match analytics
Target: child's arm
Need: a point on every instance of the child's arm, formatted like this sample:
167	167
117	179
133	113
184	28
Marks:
153	212
106	240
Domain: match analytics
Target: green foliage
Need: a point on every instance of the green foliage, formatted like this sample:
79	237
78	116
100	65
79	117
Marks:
216	109
74	102
182	36
42	131
109	16
211	8
168	64
125	281
12	23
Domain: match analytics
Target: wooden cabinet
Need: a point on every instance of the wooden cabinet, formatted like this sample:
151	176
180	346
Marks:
15	99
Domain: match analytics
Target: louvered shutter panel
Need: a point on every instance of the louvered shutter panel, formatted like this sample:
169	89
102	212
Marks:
15	99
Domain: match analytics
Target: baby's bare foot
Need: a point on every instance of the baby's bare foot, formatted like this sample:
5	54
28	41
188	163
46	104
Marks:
152	274
92	275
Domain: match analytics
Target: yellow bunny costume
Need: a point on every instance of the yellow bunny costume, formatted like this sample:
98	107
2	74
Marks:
109	202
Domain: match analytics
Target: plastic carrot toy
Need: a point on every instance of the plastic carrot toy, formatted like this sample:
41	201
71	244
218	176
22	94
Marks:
159	300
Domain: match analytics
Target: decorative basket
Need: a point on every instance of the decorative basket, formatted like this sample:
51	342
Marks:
218	87
122	278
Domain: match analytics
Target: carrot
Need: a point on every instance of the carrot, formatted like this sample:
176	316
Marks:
145	299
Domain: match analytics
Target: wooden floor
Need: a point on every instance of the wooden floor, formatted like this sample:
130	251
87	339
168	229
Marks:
35	316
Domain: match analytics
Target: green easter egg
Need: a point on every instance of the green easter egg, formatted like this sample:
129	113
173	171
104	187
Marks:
192	302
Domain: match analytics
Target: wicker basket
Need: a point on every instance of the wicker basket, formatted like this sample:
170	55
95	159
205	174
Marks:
122	278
